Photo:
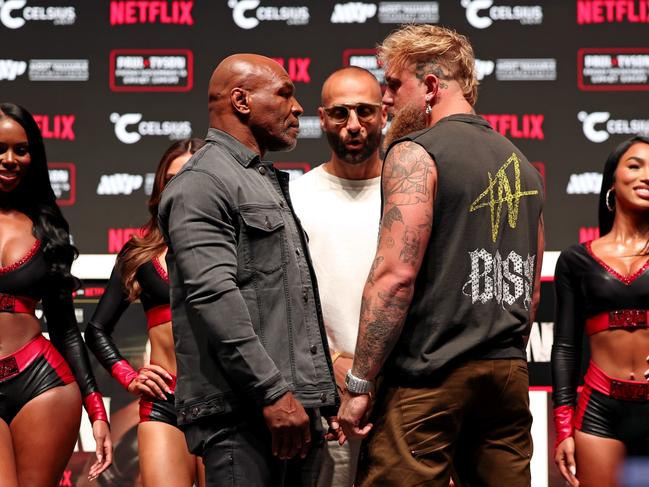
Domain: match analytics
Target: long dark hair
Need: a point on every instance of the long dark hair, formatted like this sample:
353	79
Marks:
34	197
606	217
141	249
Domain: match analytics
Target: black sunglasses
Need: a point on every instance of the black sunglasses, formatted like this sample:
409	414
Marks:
339	114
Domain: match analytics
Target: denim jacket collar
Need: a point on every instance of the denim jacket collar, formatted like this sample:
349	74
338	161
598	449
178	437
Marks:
241	153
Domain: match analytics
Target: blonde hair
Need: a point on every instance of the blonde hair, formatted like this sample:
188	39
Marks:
430	45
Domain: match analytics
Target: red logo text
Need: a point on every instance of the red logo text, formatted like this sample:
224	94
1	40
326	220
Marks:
526	126
296	67
56	126
612	11
151	12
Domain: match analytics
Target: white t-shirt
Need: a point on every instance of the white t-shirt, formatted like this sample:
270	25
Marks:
341	218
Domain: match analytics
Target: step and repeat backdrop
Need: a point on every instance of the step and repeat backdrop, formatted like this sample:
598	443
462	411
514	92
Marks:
113	83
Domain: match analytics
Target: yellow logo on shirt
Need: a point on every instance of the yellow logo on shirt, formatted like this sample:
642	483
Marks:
499	192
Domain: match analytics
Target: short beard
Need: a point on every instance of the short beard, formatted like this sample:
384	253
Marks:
372	142
407	120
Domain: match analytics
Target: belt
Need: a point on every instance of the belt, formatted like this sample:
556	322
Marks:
17	304
622	319
625	390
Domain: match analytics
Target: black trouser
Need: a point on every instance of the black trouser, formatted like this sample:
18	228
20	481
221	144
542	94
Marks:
236	451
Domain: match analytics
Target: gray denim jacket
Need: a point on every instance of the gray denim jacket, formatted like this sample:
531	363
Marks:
247	322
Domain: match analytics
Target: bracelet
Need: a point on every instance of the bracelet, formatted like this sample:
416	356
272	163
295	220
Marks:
335	357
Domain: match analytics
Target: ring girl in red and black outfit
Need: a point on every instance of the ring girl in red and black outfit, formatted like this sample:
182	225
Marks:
140	272
41	382
602	290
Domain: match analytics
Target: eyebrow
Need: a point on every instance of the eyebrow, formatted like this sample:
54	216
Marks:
635	158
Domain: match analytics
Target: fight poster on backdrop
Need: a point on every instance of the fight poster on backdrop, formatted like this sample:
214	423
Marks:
113	83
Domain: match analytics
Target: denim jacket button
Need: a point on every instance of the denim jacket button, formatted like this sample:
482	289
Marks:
262	170
314	349
195	410
297	251
323	397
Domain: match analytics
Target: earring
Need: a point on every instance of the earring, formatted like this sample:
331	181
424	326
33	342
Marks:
428	108
610	207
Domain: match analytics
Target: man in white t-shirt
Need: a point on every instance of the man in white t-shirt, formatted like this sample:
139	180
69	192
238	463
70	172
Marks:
339	205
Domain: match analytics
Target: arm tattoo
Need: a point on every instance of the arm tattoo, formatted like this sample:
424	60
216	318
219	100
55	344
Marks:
410	247
422	69
408	189
391	216
381	324
377	261
405	175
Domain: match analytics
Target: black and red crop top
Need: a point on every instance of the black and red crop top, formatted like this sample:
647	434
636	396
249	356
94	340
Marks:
154	296
25	283
590	297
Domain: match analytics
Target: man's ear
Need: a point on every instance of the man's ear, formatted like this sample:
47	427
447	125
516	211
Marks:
321	114
432	85
240	100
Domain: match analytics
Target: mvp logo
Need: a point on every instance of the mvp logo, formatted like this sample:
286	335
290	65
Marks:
353	12
119	183
11	69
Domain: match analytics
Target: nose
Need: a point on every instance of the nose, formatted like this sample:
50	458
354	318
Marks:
388	99
297	109
645	173
353	125
9	158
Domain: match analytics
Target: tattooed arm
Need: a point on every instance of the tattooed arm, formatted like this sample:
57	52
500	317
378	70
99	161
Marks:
409	184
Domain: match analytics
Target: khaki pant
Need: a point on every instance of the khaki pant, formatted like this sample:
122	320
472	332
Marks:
473	423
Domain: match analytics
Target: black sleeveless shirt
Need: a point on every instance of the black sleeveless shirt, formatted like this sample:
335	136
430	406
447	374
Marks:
473	293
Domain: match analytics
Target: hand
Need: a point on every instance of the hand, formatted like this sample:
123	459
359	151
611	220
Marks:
101	432
289	426
646	372
341	366
352	415
564	457
150	382
335	432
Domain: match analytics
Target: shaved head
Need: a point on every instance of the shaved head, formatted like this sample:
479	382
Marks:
245	71
252	98
342	79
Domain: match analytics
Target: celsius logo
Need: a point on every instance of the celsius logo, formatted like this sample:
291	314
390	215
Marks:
175	130
13	19
56	126
526	126
296	67
119	183
591	121
612	11
524	14
584	183
353	12
244	18
10	69
177	12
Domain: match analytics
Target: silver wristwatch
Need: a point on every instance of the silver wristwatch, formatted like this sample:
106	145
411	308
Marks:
356	385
